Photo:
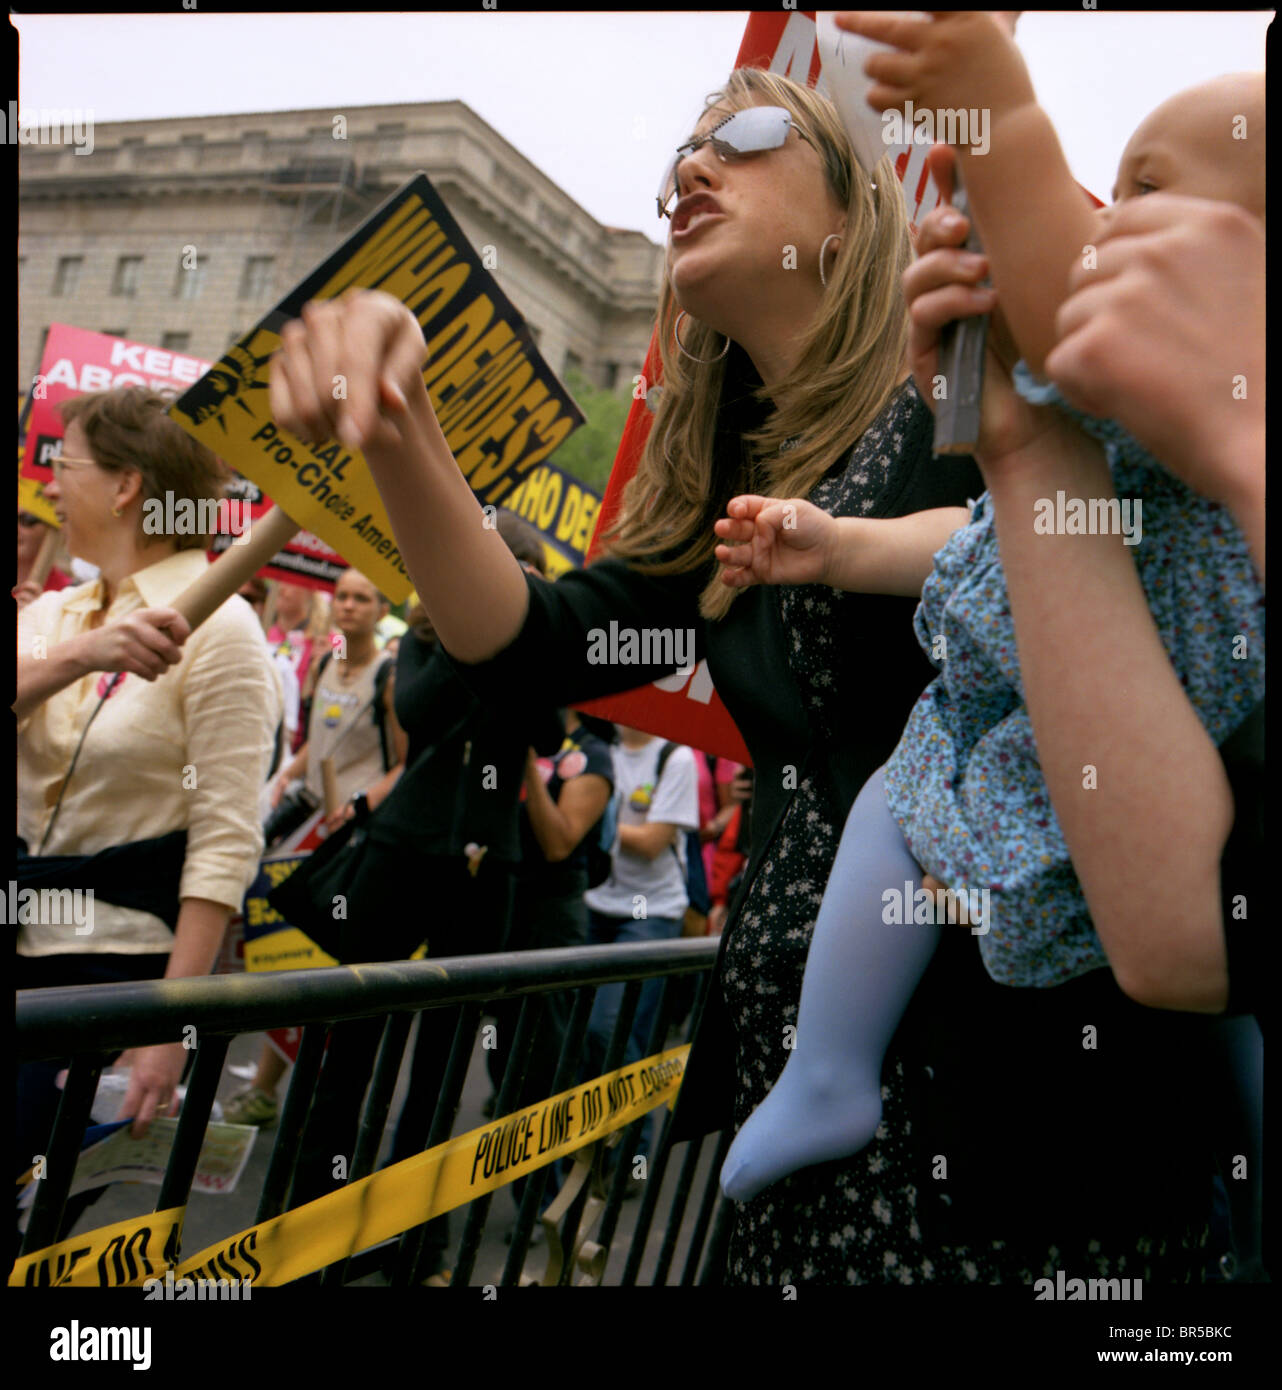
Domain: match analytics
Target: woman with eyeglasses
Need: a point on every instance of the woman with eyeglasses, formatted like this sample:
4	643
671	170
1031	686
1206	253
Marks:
783	332
135	735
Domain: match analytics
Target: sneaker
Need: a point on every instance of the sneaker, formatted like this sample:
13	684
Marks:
251	1107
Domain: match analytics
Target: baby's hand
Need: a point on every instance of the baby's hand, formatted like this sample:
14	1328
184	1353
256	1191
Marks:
958	59
773	541
942	285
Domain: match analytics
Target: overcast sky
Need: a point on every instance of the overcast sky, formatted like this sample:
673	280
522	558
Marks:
594	100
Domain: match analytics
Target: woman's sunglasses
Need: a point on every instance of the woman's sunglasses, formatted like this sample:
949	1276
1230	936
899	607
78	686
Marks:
747	132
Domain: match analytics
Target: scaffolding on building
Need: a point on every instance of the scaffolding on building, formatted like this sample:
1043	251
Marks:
323	186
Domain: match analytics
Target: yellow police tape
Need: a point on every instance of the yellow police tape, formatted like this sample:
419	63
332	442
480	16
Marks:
376	1208
116	1256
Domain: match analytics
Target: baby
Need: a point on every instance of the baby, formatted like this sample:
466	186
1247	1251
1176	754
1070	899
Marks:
963	794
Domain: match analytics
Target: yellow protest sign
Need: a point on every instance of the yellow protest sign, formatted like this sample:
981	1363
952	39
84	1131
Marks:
31	498
500	406
270	942
562	510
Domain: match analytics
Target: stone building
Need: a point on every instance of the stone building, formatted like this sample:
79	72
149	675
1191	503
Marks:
107	240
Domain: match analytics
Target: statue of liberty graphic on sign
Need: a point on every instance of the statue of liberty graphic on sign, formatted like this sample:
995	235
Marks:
241	370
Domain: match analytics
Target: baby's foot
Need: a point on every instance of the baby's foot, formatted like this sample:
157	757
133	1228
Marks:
808	1117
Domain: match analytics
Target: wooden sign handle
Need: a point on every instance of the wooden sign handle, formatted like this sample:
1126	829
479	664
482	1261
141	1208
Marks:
329	783
234	566
44	560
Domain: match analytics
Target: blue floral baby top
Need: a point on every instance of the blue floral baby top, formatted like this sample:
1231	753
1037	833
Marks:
964	782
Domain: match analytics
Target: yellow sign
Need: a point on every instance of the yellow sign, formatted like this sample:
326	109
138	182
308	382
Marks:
500	407
563	511
286	949
270	942
31	498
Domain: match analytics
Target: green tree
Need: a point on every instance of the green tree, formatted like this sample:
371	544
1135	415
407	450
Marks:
588	454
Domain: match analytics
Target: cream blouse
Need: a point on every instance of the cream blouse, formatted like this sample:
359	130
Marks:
190	750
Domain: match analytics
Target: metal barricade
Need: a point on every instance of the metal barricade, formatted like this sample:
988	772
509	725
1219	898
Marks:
91	1024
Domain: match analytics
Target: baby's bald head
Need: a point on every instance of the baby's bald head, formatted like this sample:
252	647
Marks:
1206	142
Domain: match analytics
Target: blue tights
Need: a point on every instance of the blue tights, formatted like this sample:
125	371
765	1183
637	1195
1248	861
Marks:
860	975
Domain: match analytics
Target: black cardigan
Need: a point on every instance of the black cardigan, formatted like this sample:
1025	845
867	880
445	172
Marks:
1026	1106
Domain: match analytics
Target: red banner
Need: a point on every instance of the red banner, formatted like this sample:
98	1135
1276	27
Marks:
76	361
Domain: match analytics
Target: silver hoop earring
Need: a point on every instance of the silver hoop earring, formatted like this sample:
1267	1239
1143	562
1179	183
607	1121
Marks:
676	333
832	236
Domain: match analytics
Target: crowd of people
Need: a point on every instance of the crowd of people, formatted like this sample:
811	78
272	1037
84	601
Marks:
937	693
325	683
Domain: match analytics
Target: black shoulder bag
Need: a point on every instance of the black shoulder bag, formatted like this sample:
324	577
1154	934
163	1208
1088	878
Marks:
355	895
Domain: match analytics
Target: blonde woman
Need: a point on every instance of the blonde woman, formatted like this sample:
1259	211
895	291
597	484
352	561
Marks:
352	717
783	332
297	622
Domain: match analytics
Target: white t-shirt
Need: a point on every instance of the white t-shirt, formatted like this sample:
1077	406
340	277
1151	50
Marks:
661	881
293	700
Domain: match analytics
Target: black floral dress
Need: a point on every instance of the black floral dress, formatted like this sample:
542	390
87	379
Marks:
855	1221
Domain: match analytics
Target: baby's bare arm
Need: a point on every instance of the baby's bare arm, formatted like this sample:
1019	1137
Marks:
1034	222
892	555
1031	215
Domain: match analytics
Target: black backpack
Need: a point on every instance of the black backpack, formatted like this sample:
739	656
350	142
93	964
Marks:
600	841
692	869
